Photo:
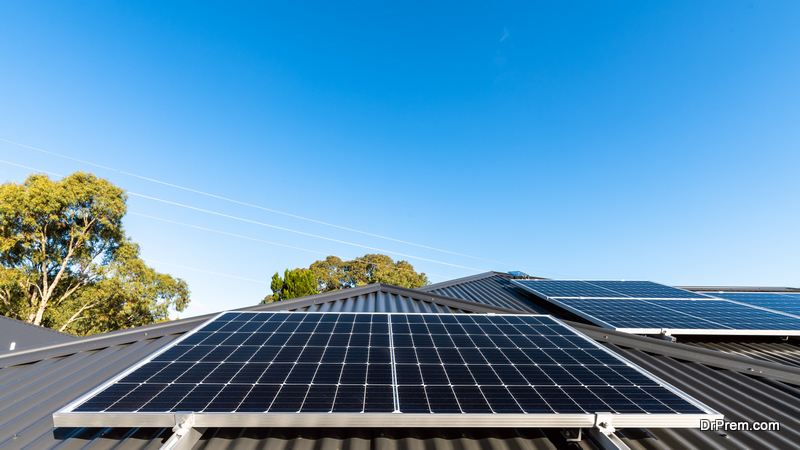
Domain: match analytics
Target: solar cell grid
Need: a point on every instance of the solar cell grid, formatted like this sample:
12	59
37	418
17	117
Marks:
384	363
784	302
644	289
567	288
605	289
648	308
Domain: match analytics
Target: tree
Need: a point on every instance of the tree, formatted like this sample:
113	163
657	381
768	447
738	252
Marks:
295	283
332	274
376	268
65	262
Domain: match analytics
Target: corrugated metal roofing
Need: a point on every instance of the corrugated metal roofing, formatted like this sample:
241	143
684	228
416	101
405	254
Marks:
491	288
37	382
768	349
24	335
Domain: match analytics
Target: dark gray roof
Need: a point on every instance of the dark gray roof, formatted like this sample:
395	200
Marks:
767	348
491	288
36	382
24	334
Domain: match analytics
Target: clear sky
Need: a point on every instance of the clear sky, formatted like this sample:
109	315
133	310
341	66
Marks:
610	140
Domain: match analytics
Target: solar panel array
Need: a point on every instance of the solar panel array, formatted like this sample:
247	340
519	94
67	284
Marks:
649	308
352	364
606	289
783	302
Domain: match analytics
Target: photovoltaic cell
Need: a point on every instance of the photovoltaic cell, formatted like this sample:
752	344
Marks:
646	307
645	289
783	302
605	289
376	363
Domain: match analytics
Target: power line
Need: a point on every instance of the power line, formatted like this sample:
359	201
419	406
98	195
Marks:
251	221
31	168
301	232
252	205
268	242
258	223
268	225
205	271
226	233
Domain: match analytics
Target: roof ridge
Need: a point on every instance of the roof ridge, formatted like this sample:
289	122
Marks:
38	327
463	280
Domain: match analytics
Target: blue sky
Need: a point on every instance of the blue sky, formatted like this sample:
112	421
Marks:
633	140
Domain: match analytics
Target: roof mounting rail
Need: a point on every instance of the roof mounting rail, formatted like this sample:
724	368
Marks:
603	433
185	435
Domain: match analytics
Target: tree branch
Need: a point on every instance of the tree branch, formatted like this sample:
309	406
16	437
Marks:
75	317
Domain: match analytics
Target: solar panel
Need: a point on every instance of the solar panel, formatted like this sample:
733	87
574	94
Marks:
605	289
644	307
786	303
645	289
364	369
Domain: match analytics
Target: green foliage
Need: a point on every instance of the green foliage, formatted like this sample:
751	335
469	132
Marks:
65	262
332	273
295	283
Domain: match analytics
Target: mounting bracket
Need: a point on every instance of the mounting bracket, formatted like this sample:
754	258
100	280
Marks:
603	433
184	434
666	335
571	436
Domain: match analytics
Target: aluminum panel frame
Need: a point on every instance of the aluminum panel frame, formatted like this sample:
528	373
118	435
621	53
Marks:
341	420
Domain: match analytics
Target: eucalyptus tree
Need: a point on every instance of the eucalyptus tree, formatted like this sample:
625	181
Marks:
66	263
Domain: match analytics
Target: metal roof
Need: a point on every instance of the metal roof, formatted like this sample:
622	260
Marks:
491	288
769	348
23	335
36	382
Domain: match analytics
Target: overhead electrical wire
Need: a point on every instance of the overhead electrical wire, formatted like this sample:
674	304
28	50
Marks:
246	220
264	241
301	232
205	271
250	204
258	207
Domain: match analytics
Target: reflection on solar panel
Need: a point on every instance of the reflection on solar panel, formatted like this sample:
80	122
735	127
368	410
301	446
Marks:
362	369
605	289
786	303
644	307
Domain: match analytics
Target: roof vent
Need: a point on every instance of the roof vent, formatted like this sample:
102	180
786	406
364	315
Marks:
518	274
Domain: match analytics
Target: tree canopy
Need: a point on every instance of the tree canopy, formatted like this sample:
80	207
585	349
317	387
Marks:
332	273
295	283
66	263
